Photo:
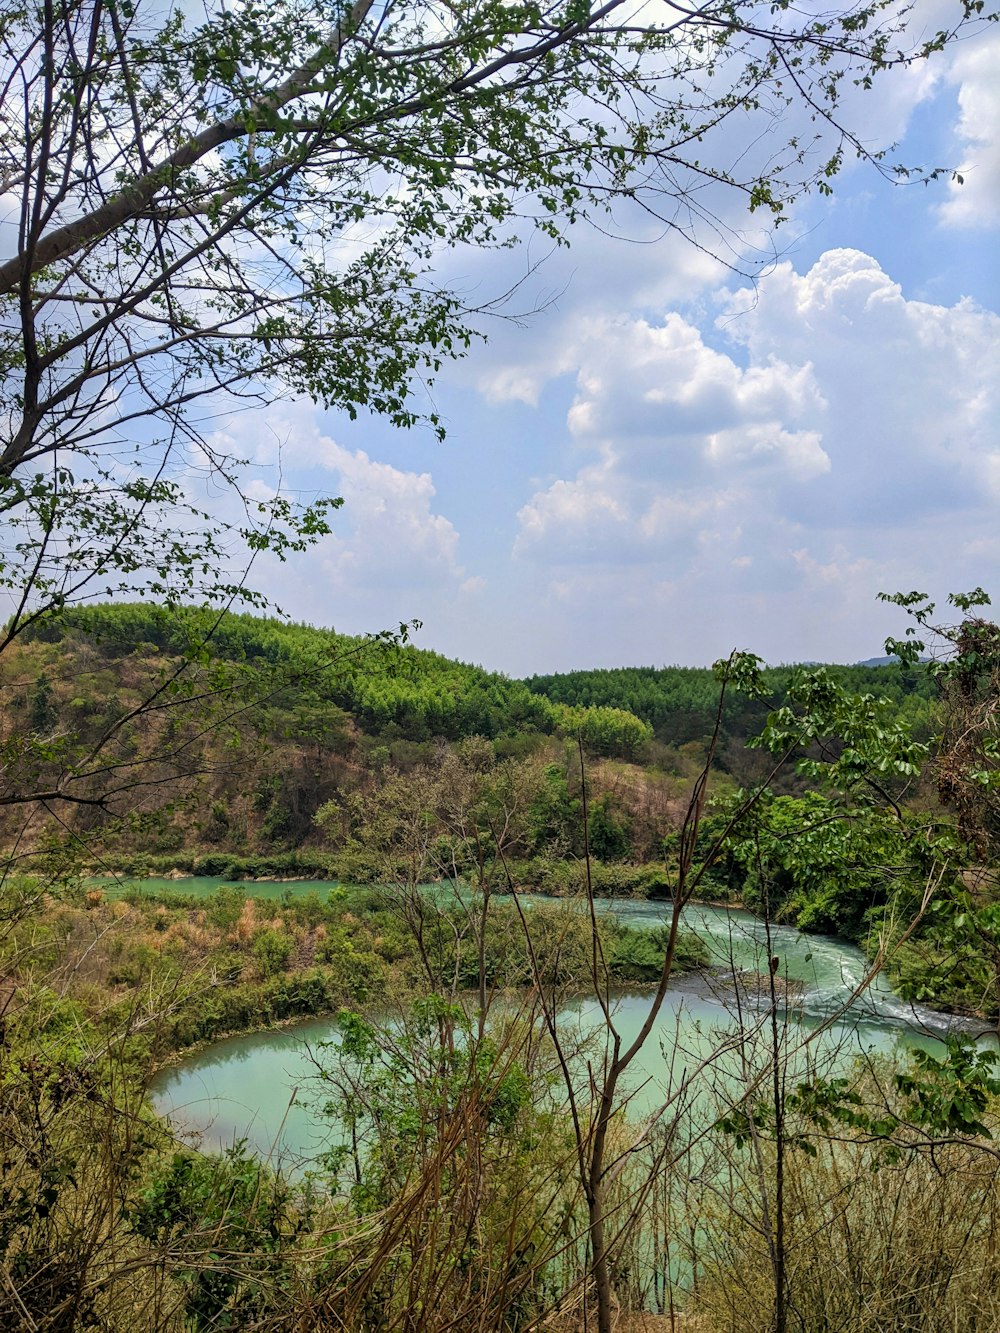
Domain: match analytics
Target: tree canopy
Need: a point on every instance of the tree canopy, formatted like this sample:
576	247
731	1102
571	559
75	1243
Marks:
210	209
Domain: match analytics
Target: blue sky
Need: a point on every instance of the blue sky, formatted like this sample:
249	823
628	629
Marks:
665	462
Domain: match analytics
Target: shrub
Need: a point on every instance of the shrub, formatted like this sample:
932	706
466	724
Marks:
869	1247
272	951
225	907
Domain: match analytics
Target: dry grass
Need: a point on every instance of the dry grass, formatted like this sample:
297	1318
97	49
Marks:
632	1322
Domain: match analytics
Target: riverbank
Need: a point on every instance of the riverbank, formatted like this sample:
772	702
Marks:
905	970
554	877
228	961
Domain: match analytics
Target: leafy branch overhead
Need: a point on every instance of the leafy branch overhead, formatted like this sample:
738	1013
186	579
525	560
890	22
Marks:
208	211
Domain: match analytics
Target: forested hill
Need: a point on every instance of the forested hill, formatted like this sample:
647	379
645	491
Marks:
246	727
680	703
398	691
389	690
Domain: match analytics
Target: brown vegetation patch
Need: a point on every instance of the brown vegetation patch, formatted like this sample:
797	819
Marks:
632	1321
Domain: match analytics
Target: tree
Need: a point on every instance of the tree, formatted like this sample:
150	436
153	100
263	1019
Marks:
211	211
964	660
607	835
958	960
861	758
441	1103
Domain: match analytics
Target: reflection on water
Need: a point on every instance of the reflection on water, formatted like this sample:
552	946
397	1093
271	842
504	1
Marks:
254	1088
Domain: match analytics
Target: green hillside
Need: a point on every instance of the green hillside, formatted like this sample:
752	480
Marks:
679	703
230	732
380	682
215	741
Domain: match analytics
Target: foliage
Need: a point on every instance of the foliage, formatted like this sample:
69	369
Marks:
950	1095
459	819
846	854
420	692
554	814
607	833
220	206
952	962
281	753
451	1138
810	861
605	731
210	208
870	1247
965	665
272	951
959	951
800	1155
934	1098
679	702
458	1101
229	1209
637	955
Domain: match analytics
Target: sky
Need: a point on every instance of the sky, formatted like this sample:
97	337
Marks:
663	461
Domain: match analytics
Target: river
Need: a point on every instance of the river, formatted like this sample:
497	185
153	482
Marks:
257	1088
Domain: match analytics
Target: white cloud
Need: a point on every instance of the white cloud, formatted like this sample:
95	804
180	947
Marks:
639	378
910	395
653	264
586	513
395	538
799	453
835	571
823	458
577	287
828	438
976	201
389	549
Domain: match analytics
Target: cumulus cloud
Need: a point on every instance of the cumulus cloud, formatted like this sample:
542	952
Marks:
975	202
764	459
654	266
647	269
910	398
394	535
844	424
642	379
390	555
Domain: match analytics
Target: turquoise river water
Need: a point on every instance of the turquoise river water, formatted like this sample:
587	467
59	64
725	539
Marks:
260	1088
